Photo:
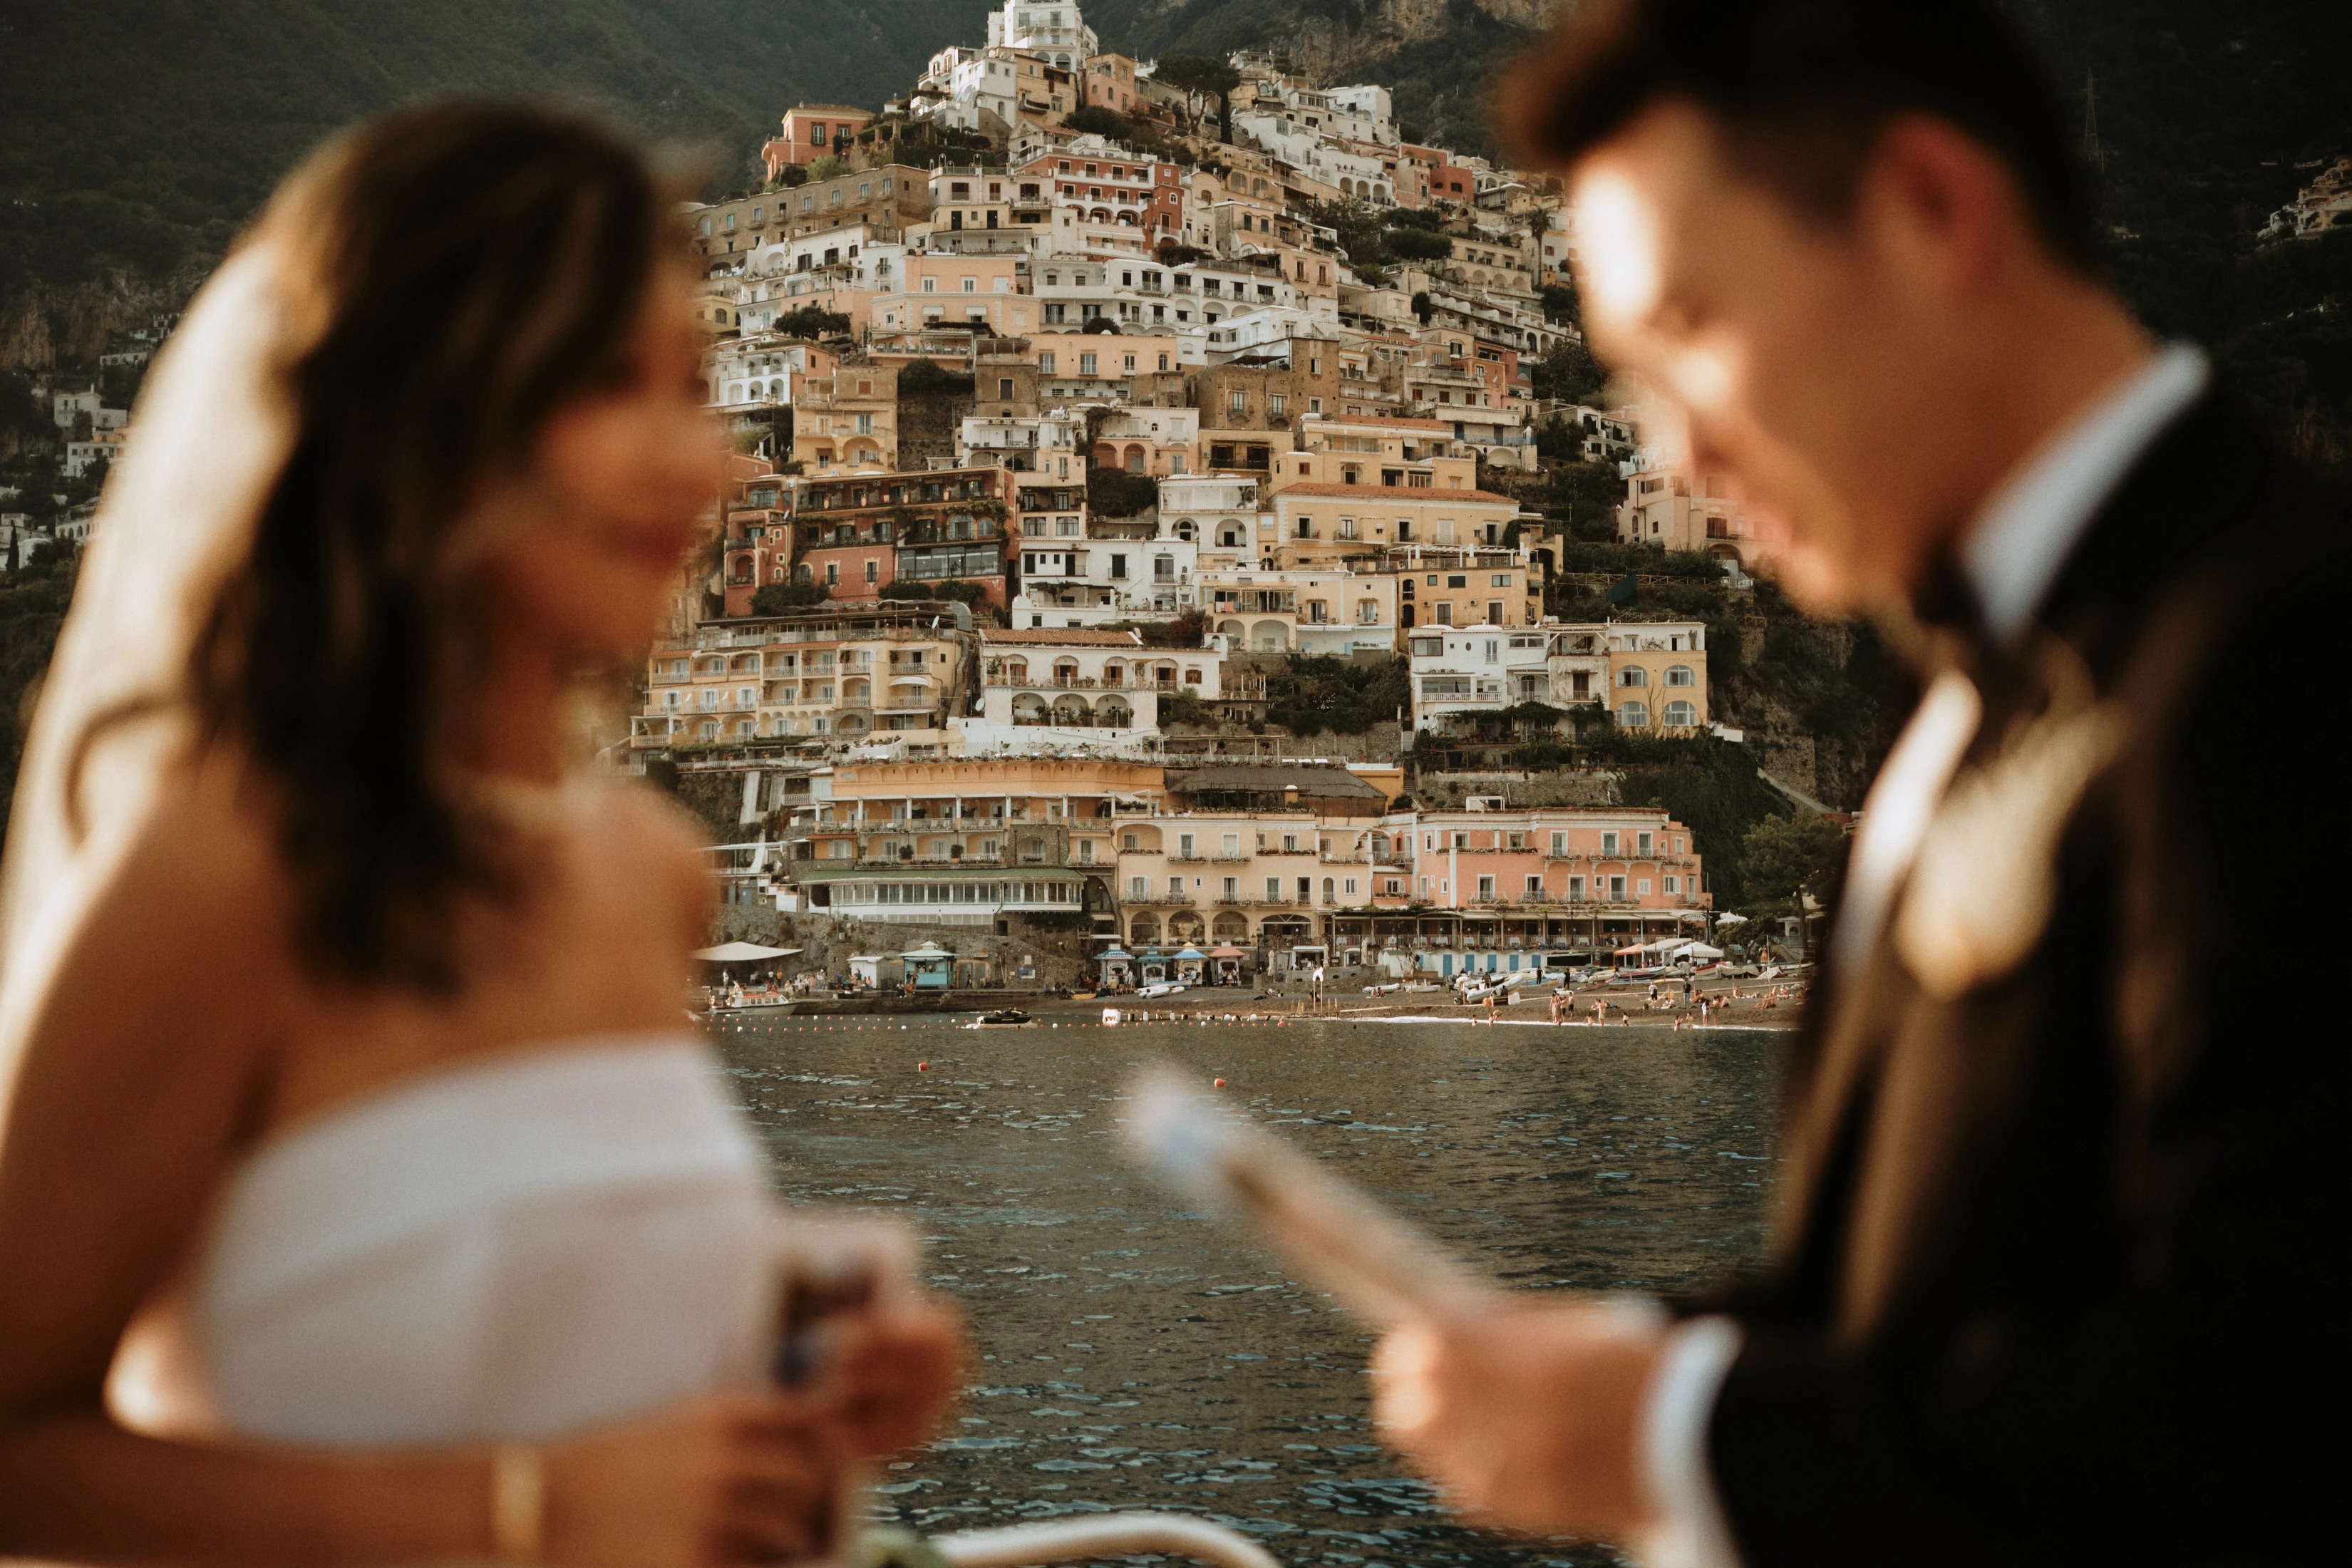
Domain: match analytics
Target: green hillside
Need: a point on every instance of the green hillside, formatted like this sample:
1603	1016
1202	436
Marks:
139	135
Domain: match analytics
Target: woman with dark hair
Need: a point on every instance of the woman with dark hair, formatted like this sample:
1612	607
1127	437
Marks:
360	1199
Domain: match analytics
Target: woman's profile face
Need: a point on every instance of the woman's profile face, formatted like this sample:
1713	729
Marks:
620	478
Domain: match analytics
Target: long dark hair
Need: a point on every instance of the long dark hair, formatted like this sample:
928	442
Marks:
457	272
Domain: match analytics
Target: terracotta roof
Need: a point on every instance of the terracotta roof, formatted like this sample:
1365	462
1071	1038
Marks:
829	108
1061	636
1371	494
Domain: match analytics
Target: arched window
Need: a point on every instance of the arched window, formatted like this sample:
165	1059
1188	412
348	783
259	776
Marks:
1184	529
1633	716
1066	671
1633	675
1681	675
1680	716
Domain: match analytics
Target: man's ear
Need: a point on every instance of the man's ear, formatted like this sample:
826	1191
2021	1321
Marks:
1940	210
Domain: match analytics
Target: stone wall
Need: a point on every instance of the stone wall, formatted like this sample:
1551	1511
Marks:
1063	957
1189	744
1446	792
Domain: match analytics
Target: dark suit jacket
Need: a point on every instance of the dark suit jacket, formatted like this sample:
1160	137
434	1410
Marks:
2058	1280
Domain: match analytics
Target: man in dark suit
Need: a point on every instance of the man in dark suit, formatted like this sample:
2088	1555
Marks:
2056	1277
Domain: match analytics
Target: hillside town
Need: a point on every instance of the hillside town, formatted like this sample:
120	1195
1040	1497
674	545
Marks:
1079	398
1141	465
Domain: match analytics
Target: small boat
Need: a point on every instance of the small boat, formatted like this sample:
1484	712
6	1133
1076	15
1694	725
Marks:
1165	988
1003	1018
727	1004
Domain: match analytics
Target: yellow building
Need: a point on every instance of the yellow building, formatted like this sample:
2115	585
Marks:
1679	511
848	419
963	843
1658	674
875	671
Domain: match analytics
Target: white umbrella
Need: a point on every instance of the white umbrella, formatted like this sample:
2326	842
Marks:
743	952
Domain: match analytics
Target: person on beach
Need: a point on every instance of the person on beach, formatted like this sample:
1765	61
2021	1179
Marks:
382	1213
2057	1277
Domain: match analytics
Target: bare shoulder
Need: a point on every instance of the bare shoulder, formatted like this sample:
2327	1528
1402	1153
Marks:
203	885
629	818
639	839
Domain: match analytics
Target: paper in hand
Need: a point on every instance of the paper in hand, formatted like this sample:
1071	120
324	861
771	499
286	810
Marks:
1327	1229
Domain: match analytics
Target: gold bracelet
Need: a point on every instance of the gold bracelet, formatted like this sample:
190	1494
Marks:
518	1504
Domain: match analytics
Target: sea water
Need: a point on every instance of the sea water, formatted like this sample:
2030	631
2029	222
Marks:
1131	1354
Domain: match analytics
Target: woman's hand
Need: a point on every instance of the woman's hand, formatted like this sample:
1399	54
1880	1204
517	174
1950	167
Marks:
727	1479
891	1375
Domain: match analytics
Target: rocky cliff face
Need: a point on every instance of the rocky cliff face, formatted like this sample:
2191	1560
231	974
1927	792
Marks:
45	326
1330	45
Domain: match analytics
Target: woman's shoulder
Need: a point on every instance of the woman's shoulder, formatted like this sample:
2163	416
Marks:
616	815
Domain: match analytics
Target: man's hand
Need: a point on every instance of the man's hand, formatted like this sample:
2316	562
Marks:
1528	1416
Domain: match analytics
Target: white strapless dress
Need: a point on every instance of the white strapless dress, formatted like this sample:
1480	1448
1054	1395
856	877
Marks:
501	1250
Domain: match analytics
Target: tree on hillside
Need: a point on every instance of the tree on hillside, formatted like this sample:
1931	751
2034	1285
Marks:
1198	78
1314	692
1781	855
812	321
777	598
1417	245
926	376
1569	373
1093	119
1115	492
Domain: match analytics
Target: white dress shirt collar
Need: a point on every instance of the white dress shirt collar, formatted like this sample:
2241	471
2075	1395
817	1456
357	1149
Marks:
2033	522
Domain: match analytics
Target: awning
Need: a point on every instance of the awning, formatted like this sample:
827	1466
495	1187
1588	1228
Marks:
1114	953
743	952
1192	952
1227	951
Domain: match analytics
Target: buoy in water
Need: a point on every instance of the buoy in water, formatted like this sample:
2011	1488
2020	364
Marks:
922	1066
1217	1083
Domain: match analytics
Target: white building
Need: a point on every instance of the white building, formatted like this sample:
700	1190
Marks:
1220	514
759	370
1061	689
1470	670
1056	31
1131	570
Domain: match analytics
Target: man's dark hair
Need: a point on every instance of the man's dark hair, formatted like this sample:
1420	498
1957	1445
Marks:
1802	89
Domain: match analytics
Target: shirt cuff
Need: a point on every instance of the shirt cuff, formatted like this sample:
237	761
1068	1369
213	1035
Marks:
1687	1529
